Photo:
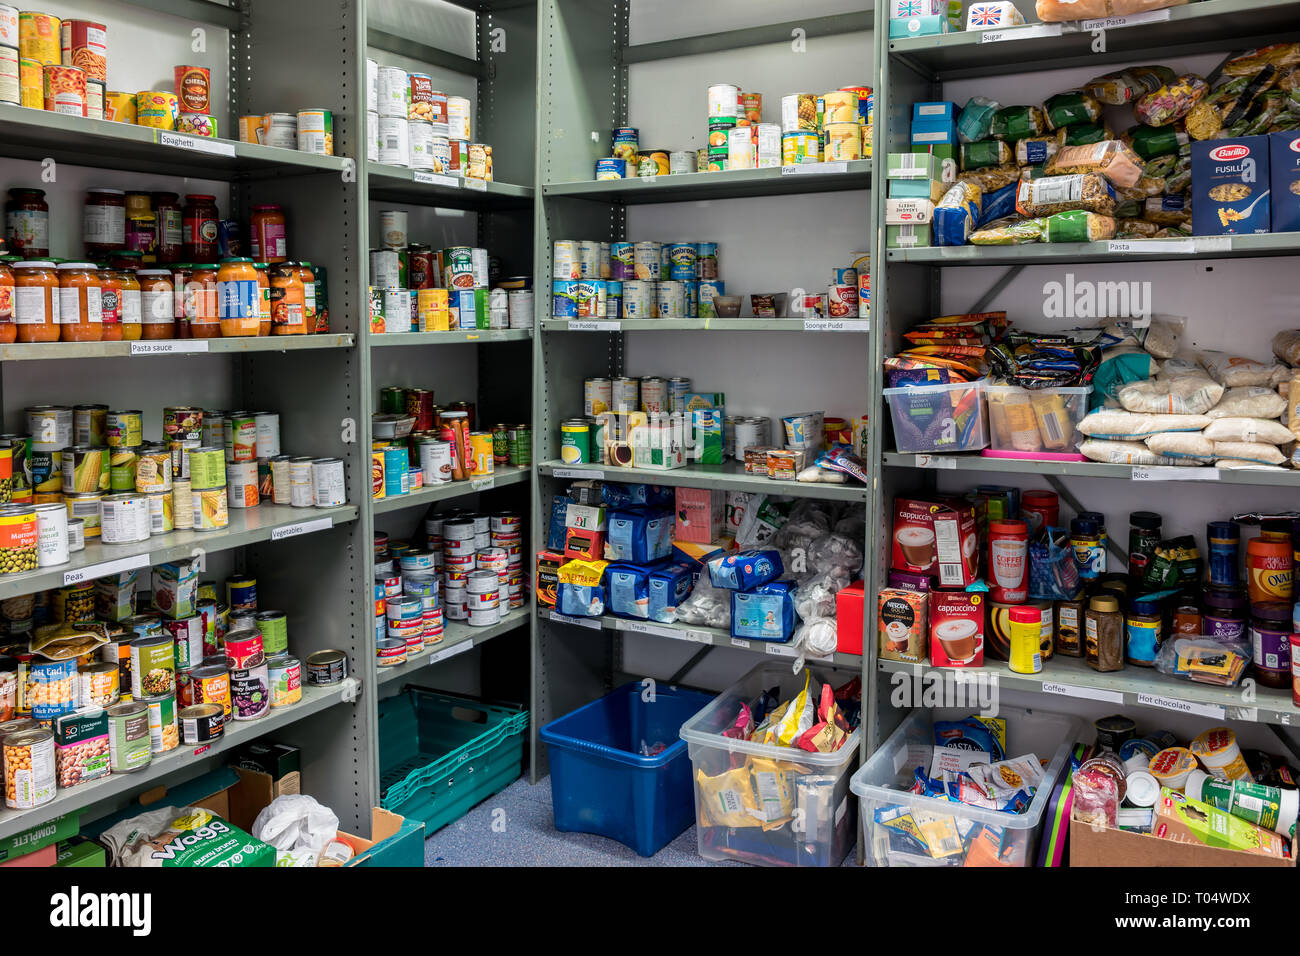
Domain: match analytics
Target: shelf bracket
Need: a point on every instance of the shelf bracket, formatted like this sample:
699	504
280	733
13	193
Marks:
680	674
996	289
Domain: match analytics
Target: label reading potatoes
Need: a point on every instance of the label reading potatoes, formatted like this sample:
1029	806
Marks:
169	346
836	325
1115	23
199	144
1021	33
106	568
302	527
815	169
429	179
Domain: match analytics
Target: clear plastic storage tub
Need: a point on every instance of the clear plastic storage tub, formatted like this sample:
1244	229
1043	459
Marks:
770	787
1037	423
939	418
1008	839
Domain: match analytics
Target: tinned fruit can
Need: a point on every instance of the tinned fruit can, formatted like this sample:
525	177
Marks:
284	674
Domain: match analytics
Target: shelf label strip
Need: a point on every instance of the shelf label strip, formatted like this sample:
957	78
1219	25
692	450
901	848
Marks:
483	484
169	347
781	650
475	185
1180	246
1132	20
108	567
592	623
578	473
936	461
1084	693
644	627
1174	473
815	169
302	527
198	144
586	325
1021	33
429	179
452	651
1181	706
836	325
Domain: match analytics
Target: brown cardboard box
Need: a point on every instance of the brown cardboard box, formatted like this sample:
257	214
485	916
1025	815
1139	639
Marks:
1090	846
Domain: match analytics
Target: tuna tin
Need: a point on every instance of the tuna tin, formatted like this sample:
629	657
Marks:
201	723
128	737
327	667
390	653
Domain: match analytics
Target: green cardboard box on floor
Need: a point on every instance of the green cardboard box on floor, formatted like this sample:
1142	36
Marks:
29	841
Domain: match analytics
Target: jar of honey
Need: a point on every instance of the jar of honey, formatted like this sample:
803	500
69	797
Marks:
238	297
80	315
288	315
157	304
129	304
200	298
36	301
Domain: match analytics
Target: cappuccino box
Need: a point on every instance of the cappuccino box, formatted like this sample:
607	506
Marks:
936	537
901	624
1284	173
957	628
1230	186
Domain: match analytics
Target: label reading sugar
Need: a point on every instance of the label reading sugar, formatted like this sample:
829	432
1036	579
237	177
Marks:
302	527
1182	706
804	169
1132	20
1021	33
1174	473
1176	246
169	346
586	325
1083	693
836	325
108	567
199	144
577	473
936	461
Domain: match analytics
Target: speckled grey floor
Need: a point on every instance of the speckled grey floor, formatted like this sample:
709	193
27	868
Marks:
524	834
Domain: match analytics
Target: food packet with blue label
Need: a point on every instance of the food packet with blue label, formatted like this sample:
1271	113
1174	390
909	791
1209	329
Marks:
956	214
765	614
638	535
555	532
745	570
988	734
668	587
626	496
627	590
581	592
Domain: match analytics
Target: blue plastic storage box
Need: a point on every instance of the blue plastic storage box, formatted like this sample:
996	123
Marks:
601	784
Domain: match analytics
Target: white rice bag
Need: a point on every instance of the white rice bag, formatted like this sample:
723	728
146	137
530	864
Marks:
1131	426
1252	401
1122	453
1189	393
1258	453
1191	446
1232	464
1248	430
1235	371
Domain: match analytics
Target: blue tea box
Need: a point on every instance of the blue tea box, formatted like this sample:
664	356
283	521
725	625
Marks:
764	614
555	532
1230	186
669	586
932	25
638	535
627	590
1284	177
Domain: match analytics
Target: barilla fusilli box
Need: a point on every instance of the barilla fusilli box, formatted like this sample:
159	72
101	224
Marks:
1284	176
1230	186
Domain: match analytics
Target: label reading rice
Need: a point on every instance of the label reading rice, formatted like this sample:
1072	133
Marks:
1173	473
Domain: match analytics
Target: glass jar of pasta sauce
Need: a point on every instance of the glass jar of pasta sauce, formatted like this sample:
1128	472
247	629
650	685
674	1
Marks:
308	277
129	302
36	301
167	210
103	221
200	293
263	298
110	304
238	298
8	331
267	232
27	223
199	228
287	306
80	314
157	304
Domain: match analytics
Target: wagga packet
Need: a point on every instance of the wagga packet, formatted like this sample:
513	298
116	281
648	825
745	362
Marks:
1183	820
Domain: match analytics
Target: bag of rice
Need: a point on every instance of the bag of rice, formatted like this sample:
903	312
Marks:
1235	371
1122	453
1251	402
1248	430
1120	425
1232	464
1259	453
1191	446
1189	394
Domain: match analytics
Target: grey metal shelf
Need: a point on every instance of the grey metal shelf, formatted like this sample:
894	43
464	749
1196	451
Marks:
810	27
399	184
234	735
41	134
1211	25
457	638
707	636
1135	250
1092	469
460	336
1131	687
244	345
728	184
749	324
728	477
430	494
266	522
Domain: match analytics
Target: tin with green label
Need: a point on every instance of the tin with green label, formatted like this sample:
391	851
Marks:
274	627
520	439
124	463
207	468
392	400
575	441
128	737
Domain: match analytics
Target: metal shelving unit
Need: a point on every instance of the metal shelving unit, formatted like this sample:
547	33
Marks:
457	639
907	285
37	351
583	58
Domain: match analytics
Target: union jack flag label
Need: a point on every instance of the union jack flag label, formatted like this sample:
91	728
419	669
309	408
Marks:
985	15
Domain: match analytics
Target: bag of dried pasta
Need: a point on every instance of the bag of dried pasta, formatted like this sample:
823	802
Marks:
1053	194
1076	225
1171	102
1011	231
1113	159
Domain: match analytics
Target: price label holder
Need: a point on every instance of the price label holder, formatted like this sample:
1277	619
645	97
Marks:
936	461
578	473
588	325
737	642
1211	244
1174	473
301	527
196	144
591	623
90	572
1116	23
815	169
1021	33
644	627
475	185
699	637
1182	247
836	325
429	179
169	347
1083	693
452	651
1181	706
486	483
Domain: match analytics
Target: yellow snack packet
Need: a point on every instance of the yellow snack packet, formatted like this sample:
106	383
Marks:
799	717
582	572
727	800
774	787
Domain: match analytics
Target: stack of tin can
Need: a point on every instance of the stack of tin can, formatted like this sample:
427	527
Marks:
635	280
413	125
611	409
826	127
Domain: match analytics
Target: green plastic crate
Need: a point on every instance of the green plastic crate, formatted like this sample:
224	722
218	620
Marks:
440	754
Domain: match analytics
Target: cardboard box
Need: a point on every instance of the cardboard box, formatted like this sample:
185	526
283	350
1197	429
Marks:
933	123
937	537
1284	180
848	618
918	27
281	762
699	513
913	165
45	856
706	436
945	158
1230	186
901	625
908	237
908	212
175	588
582	544
81	853
957	628
1100	846
585	517
931	190
547	582
43	835
394	841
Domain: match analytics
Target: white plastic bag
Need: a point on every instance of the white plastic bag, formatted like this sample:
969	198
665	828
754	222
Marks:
1258	453
1235	371
1131	426
1191	393
1249	402
1183	445
818	637
295	823
707	606
1121	453
1249	430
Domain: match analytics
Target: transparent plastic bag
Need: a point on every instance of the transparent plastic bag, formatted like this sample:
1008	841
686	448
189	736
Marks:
707	606
1206	660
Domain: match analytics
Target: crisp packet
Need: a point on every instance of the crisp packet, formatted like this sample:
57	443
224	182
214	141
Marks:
924	786
841	458
727	800
900	821
743	726
1017	773
962	787
774	787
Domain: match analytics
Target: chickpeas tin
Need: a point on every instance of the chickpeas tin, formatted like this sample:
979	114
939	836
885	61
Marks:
29	768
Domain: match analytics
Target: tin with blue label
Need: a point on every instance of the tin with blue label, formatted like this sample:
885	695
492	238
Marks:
706	260
564	298
613	299
627	143
691	303
591	296
681	261
622	260
397	463
611	169
1230	186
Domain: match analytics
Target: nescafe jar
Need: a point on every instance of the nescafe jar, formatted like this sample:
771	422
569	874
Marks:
199	228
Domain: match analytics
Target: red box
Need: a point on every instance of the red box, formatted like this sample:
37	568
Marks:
45	856
957	628
584	544
848	618
936	537
700	513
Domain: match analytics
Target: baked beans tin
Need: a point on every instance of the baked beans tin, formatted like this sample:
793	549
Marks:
250	691
201	723
164	735
284	675
327	667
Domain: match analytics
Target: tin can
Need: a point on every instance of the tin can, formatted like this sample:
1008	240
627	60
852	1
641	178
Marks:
327	667
267	434
84	507
592	295
654	395
182	504
124	518
239	438
480	162
210	509
250	691
19	539
124	428
164	735
38	37
481	458
564	298
394	140
242	485
155	109
678	388
646	258
598	396
193	88
521	444
128	737
201	723
682	161
153	666
284	675
208	467
316	132
241	594
670	299
423	101
274	628
97	684
52	542
29	768
800	148
153	469
458	118
210	684
50	427
300	483
575	442
608	169
390	653
89	425
435	461
187	637
119	107
244	647
564	260
638	299
843	141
